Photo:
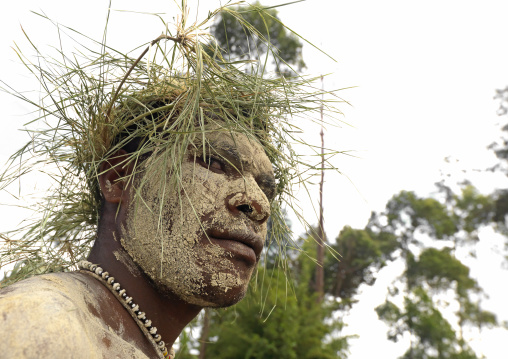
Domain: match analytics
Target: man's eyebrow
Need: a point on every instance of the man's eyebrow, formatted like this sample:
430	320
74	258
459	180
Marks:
267	183
231	154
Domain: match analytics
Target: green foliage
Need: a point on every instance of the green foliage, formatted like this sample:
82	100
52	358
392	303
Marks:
500	206
431	271
458	217
472	314
475	209
409	212
274	322
426	320
439	269
362	254
184	346
500	148
432	332
240	44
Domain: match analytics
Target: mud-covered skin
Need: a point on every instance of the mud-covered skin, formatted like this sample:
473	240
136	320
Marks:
170	244
66	315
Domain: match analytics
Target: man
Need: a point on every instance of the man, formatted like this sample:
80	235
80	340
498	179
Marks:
198	253
171	173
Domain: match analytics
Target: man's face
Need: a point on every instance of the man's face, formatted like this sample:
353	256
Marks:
203	242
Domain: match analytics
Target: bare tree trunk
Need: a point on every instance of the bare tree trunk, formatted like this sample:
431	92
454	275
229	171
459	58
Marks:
204	334
320	253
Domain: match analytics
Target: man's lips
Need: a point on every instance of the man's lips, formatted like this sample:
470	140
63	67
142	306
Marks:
236	241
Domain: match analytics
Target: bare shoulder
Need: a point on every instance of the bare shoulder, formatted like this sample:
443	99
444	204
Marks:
53	316
41	317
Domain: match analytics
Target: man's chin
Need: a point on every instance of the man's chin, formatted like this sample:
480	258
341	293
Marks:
206	296
208	291
217	297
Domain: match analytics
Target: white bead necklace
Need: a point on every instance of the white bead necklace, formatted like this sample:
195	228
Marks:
145	324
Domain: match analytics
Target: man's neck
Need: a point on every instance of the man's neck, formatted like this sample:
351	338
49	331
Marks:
169	315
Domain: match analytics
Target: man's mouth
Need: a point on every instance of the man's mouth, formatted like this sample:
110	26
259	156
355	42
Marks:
244	244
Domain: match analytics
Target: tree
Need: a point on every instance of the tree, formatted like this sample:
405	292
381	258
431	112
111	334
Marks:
500	148
362	254
274	321
431	272
431	333
239	44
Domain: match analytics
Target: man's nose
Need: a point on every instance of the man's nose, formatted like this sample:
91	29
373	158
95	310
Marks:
253	203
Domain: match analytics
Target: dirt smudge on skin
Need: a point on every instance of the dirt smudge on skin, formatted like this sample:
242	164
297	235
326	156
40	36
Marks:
124	258
106	341
93	310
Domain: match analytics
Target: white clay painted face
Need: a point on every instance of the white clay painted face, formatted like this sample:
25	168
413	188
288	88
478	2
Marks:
205	241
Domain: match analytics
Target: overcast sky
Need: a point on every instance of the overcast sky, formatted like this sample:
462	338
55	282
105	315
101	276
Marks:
424	76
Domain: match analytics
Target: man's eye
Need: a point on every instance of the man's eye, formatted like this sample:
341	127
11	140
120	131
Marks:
212	164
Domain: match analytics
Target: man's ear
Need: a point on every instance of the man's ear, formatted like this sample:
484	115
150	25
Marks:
112	173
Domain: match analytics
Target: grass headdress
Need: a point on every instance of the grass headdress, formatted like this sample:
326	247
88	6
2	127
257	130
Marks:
95	101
